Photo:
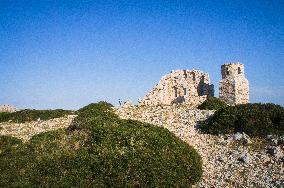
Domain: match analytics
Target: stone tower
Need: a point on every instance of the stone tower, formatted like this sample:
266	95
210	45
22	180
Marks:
234	87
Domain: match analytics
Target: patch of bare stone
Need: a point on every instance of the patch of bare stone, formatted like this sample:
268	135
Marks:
25	131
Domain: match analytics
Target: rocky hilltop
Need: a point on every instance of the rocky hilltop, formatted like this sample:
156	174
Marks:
228	161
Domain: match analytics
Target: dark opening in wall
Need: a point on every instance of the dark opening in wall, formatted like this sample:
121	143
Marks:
193	76
184	91
185	74
201	86
227	71
176	91
239	70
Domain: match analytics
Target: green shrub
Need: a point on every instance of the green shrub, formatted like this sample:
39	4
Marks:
45	161
32	115
93	114
101	150
212	103
7	143
257	120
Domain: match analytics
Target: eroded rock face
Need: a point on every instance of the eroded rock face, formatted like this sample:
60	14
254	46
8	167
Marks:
180	86
234	87
7	108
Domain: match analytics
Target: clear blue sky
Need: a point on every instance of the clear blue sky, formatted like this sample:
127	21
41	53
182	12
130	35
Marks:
66	54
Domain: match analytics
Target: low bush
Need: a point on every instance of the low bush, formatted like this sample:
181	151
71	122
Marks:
257	120
32	115
101	150
212	103
7	143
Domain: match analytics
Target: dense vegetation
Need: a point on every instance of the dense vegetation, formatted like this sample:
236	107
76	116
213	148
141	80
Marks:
257	120
212	103
100	150
32	115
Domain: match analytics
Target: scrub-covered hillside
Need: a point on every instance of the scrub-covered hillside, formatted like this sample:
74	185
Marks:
99	150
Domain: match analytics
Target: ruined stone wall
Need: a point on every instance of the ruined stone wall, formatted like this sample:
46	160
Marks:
234	87
7	108
179	119
180	86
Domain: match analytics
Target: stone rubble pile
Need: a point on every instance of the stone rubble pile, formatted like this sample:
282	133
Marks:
26	130
228	161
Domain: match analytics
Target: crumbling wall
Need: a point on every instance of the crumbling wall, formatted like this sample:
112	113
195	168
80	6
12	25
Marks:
179	119
234	87
180	86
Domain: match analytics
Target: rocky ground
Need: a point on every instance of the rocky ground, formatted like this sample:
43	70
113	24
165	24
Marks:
228	161
26	130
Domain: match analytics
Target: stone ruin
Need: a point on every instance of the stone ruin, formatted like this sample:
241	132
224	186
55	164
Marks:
7	108
180	86
234	87
192	87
